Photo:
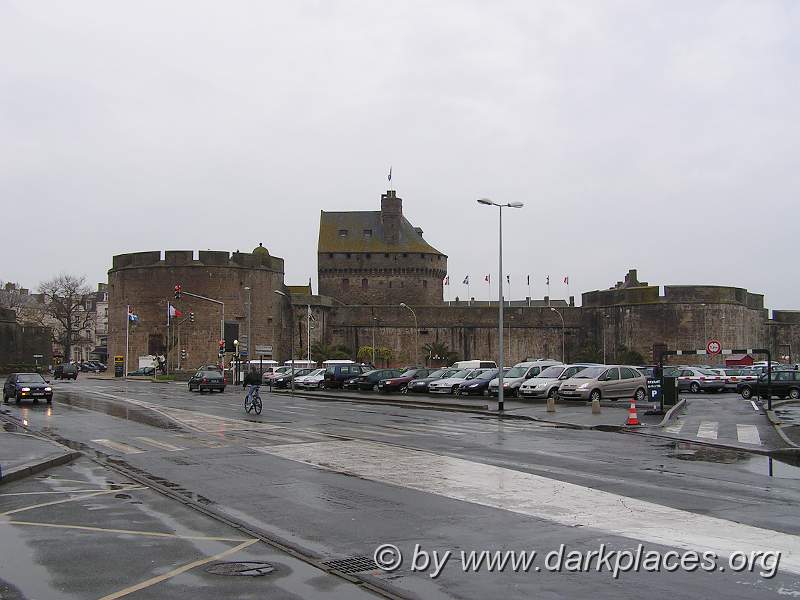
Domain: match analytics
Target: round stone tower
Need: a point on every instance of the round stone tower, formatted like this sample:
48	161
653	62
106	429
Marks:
378	258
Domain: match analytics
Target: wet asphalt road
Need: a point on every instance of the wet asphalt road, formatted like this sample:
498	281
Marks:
207	446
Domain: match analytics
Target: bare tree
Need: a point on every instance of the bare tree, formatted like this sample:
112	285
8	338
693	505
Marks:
64	304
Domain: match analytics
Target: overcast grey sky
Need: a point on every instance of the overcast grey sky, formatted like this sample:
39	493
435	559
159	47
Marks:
656	135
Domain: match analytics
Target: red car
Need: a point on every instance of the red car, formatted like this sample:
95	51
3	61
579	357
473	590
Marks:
399	384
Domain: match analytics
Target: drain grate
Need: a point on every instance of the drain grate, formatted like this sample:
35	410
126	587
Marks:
353	564
241	569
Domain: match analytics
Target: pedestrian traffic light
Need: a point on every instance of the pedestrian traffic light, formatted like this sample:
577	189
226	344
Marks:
191	316
178	292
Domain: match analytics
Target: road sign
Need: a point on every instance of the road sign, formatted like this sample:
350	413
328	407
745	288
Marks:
243	354
261	349
38	356
714	347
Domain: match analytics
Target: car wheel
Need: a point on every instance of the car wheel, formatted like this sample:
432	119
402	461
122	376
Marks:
694	387
640	395
18	399
747	393
5	398
595	396
49	400
552	393
794	393
404	390
375	388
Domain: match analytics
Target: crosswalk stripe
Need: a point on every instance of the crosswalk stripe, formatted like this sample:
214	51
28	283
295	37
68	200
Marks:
676	428
708	430
119	446
748	434
159	444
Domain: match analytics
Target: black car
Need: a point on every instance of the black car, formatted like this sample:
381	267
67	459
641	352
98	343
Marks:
285	380
66	371
207	381
420	386
336	374
478	385
143	372
369	380
785	384
24	386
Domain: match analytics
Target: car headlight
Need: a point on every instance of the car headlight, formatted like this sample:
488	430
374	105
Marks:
25	389
583	386
48	389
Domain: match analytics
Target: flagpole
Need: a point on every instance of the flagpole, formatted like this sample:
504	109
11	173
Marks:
548	290
530	295
127	335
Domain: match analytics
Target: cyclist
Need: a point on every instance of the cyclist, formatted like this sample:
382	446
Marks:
253	381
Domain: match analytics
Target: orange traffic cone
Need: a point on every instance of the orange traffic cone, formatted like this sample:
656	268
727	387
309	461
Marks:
633	418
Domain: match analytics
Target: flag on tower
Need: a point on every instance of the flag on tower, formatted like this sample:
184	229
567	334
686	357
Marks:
548	280
508	279
529	279
447	280
566	279
390	173
488	279
132	317
173	312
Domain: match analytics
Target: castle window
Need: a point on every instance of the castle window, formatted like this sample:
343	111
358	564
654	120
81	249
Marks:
424	283
330	255
405	255
422	256
368	233
385	256
348	255
345	284
343	233
364	284
390	285
369	255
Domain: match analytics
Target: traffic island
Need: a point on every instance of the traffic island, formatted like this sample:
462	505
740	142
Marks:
23	454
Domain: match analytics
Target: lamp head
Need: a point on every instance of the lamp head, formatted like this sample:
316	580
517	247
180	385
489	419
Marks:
404	305
485	201
515	204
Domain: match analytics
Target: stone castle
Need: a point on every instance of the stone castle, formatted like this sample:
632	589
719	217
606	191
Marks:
371	261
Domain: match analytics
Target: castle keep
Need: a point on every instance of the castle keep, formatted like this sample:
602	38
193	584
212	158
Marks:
371	261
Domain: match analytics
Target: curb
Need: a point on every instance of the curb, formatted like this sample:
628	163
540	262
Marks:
777	425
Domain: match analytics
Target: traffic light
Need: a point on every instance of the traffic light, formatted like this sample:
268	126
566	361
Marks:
183	354
191	316
178	292
222	347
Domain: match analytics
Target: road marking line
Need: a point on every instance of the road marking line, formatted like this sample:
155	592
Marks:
154	580
676	428
119	446
748	434
127	531
755	406
158	444
528	494
83	497
708	430
59	492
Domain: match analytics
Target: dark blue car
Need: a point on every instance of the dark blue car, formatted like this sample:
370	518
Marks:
27	386
478	385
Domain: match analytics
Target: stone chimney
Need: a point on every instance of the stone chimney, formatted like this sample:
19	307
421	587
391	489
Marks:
391	216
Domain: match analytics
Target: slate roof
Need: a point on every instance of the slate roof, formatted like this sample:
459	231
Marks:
355	222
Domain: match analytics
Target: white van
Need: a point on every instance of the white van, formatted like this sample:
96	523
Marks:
338	362
474	364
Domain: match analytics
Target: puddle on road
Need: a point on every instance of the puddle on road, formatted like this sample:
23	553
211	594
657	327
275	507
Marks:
10	427
754	463
120	411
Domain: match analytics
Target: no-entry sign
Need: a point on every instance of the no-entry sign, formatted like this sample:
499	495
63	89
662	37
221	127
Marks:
714	347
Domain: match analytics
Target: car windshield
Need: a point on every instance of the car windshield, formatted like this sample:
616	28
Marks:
474	374
30	378
517	372
490	374
460	374
318	372
203	374
438	373
551	372
590	373
707	372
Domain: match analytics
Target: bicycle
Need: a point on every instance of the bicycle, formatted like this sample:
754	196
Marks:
252	401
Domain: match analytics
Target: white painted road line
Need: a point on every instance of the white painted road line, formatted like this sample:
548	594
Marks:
676	428
708	430
755	406
748	434
158	444
532	495
119	446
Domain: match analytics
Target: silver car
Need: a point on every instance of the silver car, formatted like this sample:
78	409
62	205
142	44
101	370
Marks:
607	382
517	375
546	383
449	385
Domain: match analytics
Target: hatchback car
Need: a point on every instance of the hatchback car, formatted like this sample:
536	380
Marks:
449	385
145	372
605	382
518	374
209	381
700	380
66	371
369	380
337	374
479	385
420	386
784	384
399	383
311	381
546	383
285	380
27	386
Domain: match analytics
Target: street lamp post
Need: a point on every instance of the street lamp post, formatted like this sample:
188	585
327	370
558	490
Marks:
486	201
416	333
374	324
250	345
291	339
235	362
563	359
605	321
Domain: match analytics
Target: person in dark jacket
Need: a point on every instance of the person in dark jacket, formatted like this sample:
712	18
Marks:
253	381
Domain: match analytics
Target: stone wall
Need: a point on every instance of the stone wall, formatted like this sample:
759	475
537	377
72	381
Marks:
146	281
18	343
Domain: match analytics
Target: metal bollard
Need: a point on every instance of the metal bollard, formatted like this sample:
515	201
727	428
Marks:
595	407
551	404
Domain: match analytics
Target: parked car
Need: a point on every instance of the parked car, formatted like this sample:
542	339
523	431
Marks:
206	381
338	373
696	380
735	376
546	383
285	380
399	382
312	381
420	386
147	372
520	372
479	385
474	364
24	386
605	382
784	384
66	371
269	376
449	385
369	380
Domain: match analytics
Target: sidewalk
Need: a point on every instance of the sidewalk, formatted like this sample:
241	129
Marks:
785	417
23	454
